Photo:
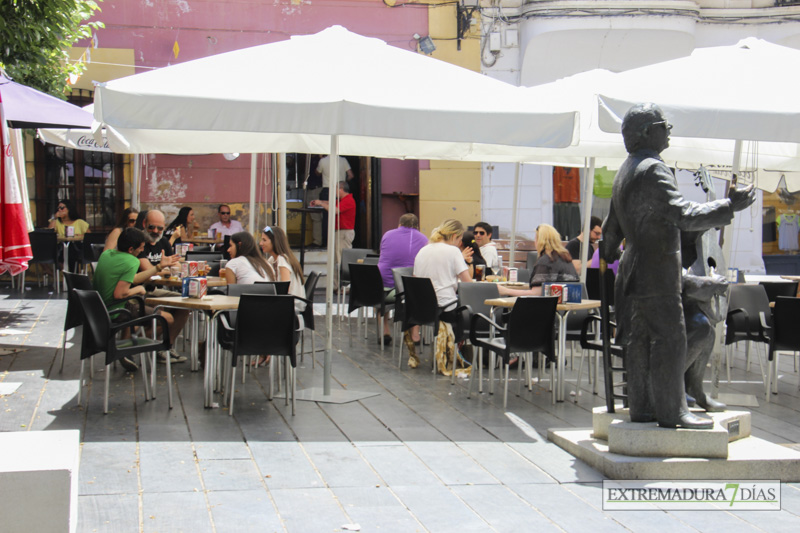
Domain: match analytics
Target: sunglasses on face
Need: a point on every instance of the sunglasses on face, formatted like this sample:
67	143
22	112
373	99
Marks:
664	123
61	207
479	233
224	212
157	228
131	221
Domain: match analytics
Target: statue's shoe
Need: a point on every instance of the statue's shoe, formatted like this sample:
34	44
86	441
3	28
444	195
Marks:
710	404
687	420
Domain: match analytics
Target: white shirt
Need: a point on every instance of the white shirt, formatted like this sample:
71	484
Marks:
244	271
489	253
235	227
324	168
296	287
442	263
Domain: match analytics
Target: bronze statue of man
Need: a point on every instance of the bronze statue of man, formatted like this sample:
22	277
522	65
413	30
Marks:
649	212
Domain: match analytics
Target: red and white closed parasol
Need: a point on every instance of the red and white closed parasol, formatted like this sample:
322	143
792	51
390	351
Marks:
15	247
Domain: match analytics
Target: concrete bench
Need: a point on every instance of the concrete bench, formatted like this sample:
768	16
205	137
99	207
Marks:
39	481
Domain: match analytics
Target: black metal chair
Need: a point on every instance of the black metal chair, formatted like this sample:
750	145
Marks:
524	275
780	288
349	255
783	336
746	303
86	247
281	287
366	290
99	335
399	302
97	250
421	309
529	328
473	296
308	316
256	310
44	245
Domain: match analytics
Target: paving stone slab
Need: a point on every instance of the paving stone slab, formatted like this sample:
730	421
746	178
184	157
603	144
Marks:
108	513
178	512
244	511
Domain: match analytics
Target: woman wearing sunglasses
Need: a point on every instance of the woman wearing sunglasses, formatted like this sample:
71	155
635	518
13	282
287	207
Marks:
126	220
67	215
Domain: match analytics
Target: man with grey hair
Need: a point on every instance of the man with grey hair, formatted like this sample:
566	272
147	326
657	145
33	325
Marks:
649	212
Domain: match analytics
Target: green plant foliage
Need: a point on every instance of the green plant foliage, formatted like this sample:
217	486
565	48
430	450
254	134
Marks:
35	36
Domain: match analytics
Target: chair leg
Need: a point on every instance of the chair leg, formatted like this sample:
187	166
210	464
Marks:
169	381
294	388
233	387
313	350
747	355
505	386
287	388
108	384
63	352
80	383
552	381
143	364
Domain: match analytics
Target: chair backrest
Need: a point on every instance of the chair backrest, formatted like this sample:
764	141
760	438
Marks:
74	316
531	260
531	325
238	289
366	286
311	284
281	287
273	312
97	250
96	324
397	275
88	244
779	288
524	275
754	300
44	245
785	333
593	284
351	255
475	294
204	248
421	305
191	255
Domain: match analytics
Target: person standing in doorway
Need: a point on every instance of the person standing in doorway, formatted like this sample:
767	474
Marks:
345	222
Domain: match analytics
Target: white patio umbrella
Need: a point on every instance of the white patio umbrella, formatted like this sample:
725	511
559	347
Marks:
334	92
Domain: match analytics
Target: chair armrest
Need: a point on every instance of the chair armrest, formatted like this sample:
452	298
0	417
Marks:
223	320
739	311
218	291
144	321
473	338
121	310
307	301
139	299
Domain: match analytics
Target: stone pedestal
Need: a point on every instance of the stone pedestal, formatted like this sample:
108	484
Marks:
625	450
39	481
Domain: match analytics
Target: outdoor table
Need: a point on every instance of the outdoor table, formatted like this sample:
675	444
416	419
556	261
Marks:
202	240
303	211
563	311
65	241
177	283
213	305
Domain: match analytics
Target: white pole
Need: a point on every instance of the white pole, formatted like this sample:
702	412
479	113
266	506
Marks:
282	191
588	197
333	208
514	207
137	180
253	178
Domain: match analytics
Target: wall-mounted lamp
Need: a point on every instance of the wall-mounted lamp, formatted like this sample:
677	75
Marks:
425	44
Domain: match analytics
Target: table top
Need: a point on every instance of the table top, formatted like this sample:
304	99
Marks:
509	301
214	302
791	278
211	281
201	240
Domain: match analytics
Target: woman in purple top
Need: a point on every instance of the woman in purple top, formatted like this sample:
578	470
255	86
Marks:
399	247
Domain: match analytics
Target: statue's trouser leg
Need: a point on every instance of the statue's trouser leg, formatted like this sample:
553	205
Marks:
662	317
700	337
637	368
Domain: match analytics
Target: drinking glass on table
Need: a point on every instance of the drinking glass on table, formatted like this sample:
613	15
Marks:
222	268
479	272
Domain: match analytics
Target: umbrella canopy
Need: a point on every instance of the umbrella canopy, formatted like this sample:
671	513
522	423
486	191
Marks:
293	95
76	138
742	93
28	108
15	247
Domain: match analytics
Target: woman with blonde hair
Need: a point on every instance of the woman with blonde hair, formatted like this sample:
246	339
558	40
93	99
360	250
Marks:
554	263
444	263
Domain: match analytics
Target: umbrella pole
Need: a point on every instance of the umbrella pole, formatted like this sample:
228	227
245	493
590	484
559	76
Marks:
588	196
514	207
253	178
282	179
137	179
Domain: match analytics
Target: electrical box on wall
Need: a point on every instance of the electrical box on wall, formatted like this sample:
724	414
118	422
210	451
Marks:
494	41
510	38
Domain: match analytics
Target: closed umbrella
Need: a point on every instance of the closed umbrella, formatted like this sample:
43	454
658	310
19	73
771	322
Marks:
15	247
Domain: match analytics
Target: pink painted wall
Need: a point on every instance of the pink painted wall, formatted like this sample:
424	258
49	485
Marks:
207	27
398	176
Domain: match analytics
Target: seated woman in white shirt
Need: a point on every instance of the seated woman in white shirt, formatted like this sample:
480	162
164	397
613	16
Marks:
247	264
284	264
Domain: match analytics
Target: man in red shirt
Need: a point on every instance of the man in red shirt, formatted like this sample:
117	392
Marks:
345	221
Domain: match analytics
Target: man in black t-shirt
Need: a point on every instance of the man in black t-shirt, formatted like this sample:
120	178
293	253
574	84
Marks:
574	246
